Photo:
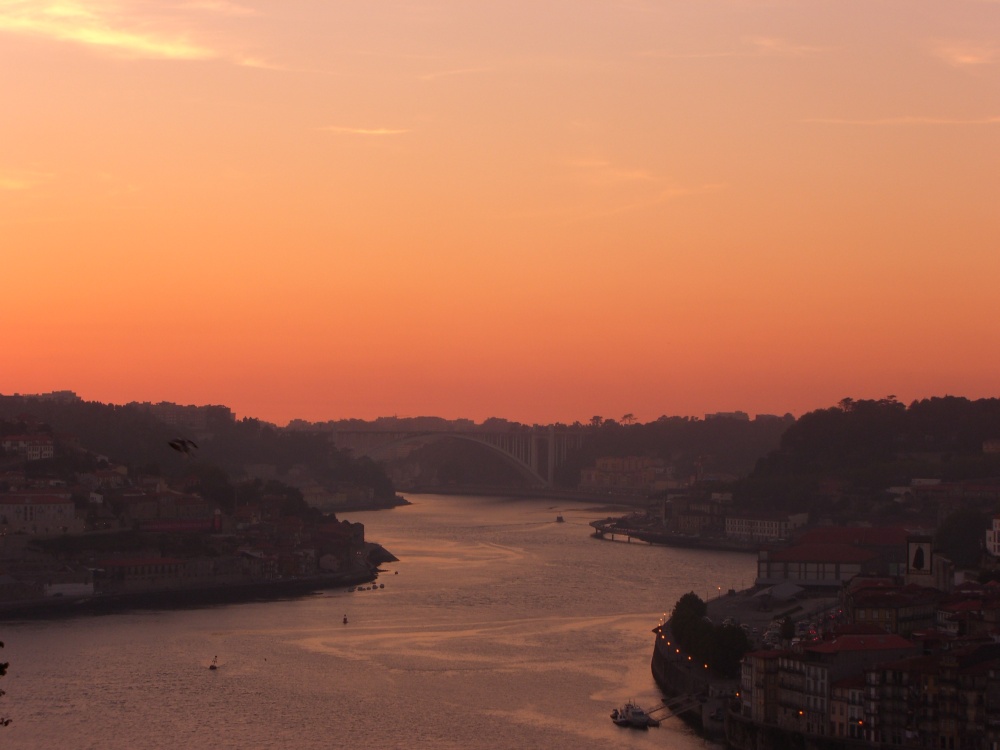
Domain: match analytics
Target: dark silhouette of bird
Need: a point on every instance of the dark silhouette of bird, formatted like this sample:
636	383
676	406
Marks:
183	445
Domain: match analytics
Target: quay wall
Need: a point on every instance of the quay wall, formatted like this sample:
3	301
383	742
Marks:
676	677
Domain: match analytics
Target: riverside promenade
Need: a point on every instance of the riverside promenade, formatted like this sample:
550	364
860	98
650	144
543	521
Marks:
706	698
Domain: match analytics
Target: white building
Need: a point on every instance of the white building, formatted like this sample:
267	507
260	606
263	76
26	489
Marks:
30	447
993	538
763	527
38	514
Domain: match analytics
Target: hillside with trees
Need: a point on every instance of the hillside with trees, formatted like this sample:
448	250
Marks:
135	437
858	449
694	447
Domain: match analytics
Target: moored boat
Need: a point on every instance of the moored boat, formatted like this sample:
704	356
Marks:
632	715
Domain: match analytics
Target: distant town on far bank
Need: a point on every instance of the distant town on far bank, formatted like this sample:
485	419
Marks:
70	468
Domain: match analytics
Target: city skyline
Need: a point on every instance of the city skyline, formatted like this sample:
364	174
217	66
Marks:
321	211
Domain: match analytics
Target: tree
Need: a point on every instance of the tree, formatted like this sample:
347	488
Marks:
687	618
961	536
787	629
628	418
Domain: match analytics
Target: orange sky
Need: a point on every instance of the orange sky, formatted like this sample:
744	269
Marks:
540	211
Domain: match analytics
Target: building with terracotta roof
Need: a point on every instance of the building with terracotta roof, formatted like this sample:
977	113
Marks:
814	565
893	608
945	700
805	678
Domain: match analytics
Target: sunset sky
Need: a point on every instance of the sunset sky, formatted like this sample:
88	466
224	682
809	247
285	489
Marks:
542	211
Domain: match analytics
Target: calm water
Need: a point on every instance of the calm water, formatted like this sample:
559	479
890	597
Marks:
502	629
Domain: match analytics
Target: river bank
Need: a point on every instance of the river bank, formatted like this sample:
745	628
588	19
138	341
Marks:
610	499
211	594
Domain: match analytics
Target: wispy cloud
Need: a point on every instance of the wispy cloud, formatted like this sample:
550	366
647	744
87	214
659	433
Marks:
601	173
455	72
775	47
613	190
755	46
128	29
905	121
103	25
219	6
260	64
21	180
966	54
364	131
664	195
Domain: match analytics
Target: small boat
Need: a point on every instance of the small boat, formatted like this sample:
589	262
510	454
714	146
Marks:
214	664
381	585
345	619
560	519
631	715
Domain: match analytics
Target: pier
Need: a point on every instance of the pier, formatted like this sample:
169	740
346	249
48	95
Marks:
629	528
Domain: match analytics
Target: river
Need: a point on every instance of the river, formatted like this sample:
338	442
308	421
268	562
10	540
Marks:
497	628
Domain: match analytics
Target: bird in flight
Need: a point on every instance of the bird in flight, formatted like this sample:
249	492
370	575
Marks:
183	445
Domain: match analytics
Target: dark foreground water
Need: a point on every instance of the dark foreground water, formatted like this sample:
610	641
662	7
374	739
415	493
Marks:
501	629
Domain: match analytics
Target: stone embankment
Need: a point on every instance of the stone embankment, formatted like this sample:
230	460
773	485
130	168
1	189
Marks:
206	593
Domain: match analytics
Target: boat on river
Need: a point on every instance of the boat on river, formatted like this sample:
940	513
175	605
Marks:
632	715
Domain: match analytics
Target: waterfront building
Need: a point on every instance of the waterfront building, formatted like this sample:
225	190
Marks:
847	710
759	686
805	676
763	527
945	700
894	608
38	514
137	573
697	514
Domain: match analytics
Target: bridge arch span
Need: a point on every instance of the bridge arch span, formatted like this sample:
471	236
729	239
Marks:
385	450
526	450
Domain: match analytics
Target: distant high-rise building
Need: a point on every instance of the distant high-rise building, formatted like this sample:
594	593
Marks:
742	416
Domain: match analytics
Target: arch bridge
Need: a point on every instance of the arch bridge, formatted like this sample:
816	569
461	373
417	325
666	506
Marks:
531	451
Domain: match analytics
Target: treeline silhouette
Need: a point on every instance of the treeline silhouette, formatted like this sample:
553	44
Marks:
134	436
694	447
717	647
869	445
